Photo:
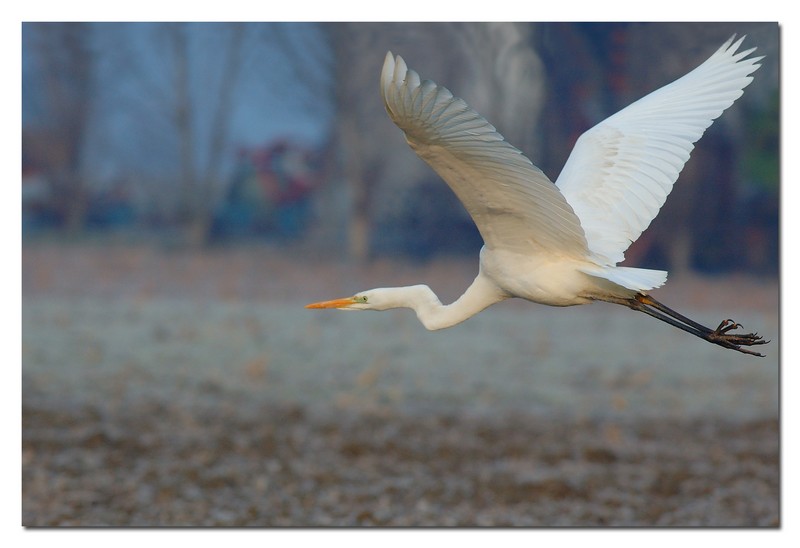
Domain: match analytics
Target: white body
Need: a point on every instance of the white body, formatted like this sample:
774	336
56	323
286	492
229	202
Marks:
540	279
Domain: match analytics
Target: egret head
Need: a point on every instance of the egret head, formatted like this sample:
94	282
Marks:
365	300
382	298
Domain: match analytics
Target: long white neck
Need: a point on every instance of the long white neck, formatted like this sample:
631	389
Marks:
430	310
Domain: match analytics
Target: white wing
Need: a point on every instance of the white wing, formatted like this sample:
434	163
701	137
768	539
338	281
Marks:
621	171
514	205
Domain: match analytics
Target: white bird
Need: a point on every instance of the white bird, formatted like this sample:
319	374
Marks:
559	244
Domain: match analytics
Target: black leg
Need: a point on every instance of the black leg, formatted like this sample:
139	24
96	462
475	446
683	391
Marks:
650	301
720	336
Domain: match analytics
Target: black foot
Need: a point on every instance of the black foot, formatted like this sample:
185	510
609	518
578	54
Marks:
735	341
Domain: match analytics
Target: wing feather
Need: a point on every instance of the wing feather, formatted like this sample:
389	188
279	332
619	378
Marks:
513	203
620	172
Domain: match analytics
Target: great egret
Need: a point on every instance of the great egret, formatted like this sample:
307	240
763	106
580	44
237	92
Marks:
559	244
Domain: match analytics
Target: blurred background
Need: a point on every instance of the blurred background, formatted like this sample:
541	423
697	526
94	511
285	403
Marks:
187	187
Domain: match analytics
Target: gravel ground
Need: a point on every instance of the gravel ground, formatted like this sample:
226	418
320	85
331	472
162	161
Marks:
193	389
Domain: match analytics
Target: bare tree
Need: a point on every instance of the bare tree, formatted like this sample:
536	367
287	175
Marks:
171	102
55	137
198	180
504	78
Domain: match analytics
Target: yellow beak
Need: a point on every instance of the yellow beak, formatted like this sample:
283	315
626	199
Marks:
335	303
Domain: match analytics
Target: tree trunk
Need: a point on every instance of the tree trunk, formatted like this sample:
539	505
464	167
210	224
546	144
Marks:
65	54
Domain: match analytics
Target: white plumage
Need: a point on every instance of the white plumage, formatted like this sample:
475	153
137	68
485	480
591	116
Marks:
622	170
559	244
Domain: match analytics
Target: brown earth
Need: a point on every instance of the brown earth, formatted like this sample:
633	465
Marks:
187	388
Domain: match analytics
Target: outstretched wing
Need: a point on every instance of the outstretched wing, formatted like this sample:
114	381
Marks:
513	203
620	172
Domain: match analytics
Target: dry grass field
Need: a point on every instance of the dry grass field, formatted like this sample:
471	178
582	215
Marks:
192	388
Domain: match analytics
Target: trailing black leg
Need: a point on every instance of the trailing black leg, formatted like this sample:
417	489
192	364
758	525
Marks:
721	336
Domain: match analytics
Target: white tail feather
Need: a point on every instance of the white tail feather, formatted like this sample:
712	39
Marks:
636	279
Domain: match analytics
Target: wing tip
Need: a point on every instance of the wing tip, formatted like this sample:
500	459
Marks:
386	72
400	69
731	48
388	63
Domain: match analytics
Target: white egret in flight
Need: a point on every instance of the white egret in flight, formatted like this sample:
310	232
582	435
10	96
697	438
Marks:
559	244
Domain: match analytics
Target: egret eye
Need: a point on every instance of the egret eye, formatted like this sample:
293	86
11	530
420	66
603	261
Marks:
360	298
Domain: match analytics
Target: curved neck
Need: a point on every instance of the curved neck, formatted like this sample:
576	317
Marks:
434	315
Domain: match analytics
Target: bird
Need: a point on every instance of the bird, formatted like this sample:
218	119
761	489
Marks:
559	244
